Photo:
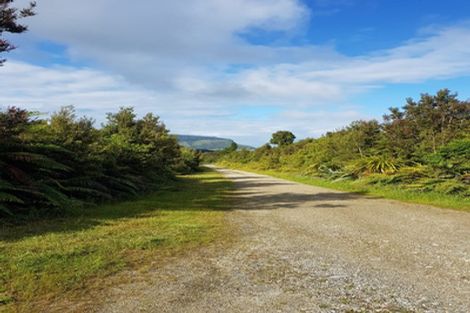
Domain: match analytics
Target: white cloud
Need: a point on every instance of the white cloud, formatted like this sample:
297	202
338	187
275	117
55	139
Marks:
186	61
326	80
442	54
94	93
49	88
152	42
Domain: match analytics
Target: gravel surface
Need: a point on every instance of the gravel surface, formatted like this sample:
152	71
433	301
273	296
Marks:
308	249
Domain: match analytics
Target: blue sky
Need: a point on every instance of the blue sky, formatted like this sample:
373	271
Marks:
239	68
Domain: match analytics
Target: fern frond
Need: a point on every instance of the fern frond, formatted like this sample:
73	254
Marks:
35	159
53	196
8	197
5	210
90	192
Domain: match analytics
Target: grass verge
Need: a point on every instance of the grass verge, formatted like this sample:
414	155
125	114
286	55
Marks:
43	260
361	186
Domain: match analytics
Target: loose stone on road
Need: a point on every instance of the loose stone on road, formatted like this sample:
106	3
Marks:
308	249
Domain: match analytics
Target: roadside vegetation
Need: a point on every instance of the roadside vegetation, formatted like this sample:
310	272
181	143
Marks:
46	260
50	166
420	153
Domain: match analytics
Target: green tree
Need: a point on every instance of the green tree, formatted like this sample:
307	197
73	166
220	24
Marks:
421	127
9	17
50	165
422	146
232	148
282	138
453	158
29	170
364	136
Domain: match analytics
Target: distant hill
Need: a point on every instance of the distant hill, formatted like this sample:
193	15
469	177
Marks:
207	142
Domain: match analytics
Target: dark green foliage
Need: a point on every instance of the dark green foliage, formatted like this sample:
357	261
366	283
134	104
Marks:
452	158
424	146
233	147
9	17
282	138
189	161
28	170
424	126
48	166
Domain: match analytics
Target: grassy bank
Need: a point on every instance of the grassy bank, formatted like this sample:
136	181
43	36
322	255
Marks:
65	257
361	186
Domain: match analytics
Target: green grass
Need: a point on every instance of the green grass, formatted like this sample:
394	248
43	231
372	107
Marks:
361	186
45	259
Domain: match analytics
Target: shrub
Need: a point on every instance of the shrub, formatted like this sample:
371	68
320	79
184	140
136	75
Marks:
453	158
50	166
451	187
373	165
189	161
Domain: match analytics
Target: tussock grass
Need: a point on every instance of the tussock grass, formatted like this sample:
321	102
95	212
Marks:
42	260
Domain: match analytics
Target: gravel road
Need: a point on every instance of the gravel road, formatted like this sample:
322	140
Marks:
307	249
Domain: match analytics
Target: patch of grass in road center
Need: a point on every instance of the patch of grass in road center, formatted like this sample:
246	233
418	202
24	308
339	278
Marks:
42	260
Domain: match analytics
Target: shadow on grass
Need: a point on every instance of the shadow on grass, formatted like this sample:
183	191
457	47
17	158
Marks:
203	192
200	192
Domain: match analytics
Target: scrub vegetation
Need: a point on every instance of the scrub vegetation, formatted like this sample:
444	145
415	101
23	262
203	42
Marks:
50	166
419	153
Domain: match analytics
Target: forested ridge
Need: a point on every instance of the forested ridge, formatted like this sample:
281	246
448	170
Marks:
422	147
49	165
204	142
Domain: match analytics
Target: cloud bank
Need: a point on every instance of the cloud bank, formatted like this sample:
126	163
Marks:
196	64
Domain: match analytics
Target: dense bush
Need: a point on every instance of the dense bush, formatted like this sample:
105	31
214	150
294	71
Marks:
453	158
189	161
48	165
423	146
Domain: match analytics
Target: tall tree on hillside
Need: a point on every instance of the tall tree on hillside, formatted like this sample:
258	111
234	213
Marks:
9	17
282	138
